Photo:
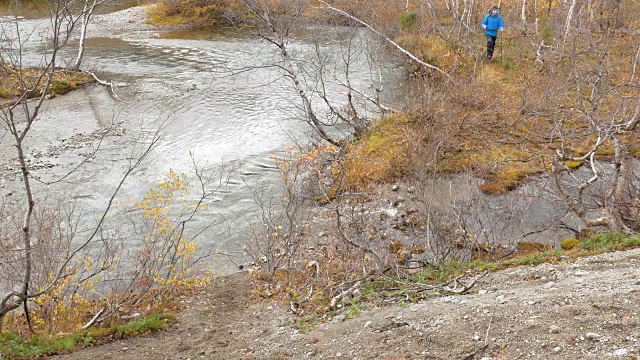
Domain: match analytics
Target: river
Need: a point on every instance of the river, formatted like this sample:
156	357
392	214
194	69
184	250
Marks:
181	79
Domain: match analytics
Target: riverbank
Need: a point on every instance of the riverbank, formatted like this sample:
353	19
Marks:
575	310
14	82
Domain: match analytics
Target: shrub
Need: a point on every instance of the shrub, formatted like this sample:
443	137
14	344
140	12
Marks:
569	244
408	19
611	242
381	155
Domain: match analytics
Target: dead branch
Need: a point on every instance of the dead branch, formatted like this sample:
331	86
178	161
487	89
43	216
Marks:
108	85
334	302
93	320
294	306
395	44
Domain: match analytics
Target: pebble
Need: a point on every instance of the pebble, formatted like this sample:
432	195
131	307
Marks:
557	349
482	292
367	324
395	187
593	336
554	329
549	285
476	337
621	352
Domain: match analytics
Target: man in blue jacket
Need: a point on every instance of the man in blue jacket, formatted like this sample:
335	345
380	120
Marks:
491	24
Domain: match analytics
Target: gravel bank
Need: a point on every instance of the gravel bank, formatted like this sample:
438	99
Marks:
581	310
124	21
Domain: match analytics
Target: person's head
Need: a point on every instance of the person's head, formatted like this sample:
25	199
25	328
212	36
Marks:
494	9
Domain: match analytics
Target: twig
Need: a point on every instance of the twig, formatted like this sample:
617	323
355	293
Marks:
294	306
484	347
109	86
396	45
93	320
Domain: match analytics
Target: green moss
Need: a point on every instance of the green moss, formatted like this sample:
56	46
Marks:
569	244
17	348
62	82
574	164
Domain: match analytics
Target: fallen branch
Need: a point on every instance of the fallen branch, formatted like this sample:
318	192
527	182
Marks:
108	85
294	306
93	320
395	44
334	301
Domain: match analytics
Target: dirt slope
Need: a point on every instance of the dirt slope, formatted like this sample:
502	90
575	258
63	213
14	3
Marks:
583	310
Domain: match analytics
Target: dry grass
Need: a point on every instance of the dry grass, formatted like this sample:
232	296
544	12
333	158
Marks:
62	82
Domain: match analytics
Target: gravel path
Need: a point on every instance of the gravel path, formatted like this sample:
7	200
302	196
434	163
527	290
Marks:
583	310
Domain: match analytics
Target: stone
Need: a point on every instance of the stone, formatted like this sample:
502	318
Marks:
554	329
482	292
395	187
476	337
593	336
621	353
557	349
367	324
549	285
411	189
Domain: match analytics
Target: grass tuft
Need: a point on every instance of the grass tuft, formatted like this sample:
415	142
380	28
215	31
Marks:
16	348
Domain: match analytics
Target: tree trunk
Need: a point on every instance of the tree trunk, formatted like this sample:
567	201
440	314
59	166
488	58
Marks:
523	17
569	18
87	11
26	225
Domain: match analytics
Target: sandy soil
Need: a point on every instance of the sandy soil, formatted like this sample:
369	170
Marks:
582	310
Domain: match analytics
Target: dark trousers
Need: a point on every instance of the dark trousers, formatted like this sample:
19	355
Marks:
491	44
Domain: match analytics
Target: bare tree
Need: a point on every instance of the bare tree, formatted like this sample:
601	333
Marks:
45	249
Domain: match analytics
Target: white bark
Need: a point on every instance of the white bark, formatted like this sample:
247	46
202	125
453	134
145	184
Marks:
523	16
567	26
400	48
87	11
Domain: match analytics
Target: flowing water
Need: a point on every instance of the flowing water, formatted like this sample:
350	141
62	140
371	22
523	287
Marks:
181	81
190	84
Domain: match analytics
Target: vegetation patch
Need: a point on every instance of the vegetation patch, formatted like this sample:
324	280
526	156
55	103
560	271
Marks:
381	155
37	346
530	254
569	244
62	81
193	12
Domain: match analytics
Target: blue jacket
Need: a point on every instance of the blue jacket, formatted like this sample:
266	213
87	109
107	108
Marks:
493	23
